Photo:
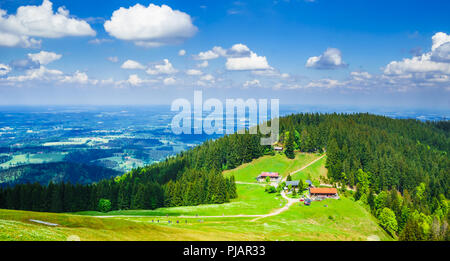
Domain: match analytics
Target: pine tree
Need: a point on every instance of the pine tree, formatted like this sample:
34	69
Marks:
289	151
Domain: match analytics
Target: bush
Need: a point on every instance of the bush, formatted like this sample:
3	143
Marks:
104	205
270	189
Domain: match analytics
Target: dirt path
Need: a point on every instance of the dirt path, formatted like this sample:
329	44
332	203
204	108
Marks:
304	167
289	203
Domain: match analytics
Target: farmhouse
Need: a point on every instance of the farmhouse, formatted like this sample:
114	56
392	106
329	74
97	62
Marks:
272	175
323	193
293	183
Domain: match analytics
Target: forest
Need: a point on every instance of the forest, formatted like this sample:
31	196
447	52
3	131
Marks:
399	168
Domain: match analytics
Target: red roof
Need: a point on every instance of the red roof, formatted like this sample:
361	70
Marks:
269	174
323	190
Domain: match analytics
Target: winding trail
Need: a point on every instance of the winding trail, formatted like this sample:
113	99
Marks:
289	203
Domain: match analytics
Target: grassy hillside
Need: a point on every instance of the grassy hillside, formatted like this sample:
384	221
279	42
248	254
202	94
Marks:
313	172
278	163
341	219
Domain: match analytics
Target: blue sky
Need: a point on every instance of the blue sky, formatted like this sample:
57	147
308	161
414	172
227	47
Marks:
361	53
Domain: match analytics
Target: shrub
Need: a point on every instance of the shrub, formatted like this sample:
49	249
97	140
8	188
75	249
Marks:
104	205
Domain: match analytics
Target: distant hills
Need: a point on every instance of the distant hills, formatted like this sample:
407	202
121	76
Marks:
56	172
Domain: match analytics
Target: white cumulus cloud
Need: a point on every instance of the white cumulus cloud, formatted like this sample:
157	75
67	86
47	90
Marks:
429	64
132	65
44	57
330	59
182	52
252	62
165	68
150	26
39	21
78	77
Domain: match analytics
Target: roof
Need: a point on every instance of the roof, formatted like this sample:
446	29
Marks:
323	190
292	183
269	174
308	181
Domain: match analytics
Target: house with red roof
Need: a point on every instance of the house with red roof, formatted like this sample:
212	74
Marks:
274	176
323	193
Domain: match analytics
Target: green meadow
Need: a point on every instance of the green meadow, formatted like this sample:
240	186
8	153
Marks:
312	172
331	219
278	163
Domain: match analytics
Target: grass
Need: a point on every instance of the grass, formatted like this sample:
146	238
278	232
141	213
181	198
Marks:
313	172
342	219
252	201
15	225
278	163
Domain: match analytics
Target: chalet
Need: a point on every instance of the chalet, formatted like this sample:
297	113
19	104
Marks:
323	193
293	183
272	175
278	148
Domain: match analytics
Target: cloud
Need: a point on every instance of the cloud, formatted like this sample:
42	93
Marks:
99	41
134	80
238	50
169	81
252	62
4	69
113	59
150	26
424	66
132	65
78	77
324	83
330	59
194	72
418	64
204	64
215	53
360	76
439	39
208	77
271	72
41	73
44	57
254	82
165	68
39	21
206	80
182	52
441	53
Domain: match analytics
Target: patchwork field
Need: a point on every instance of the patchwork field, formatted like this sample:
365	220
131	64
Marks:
341	219
22	159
